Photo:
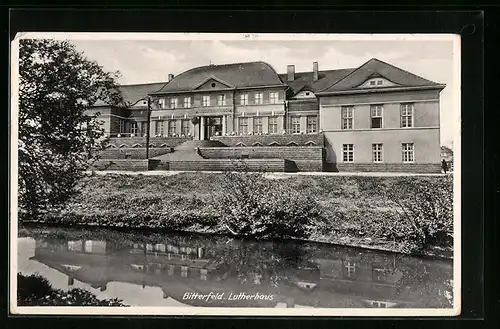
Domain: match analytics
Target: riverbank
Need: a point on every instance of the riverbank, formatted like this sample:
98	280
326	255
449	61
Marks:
365	211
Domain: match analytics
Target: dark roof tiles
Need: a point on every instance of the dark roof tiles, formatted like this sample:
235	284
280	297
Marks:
304	80
376	67
238	75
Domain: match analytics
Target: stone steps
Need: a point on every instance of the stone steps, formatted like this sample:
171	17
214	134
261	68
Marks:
193	144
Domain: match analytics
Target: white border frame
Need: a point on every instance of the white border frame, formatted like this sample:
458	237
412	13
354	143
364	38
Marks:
134	311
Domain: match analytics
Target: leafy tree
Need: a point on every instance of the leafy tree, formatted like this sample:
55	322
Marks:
57	84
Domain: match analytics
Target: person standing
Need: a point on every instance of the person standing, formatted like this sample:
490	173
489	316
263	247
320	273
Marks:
444	166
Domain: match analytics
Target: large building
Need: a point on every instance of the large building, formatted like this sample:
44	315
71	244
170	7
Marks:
374	117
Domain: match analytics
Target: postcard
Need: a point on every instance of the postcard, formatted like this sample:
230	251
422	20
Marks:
235	174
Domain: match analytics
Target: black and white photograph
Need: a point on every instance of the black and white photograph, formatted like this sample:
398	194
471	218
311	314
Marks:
235	174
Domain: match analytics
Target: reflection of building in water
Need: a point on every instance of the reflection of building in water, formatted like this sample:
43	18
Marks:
326	279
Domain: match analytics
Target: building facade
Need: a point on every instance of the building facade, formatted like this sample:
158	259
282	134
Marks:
374	117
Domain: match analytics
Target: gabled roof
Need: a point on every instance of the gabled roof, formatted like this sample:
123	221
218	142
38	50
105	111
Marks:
215	79
239	75
134	93
304	80
376	67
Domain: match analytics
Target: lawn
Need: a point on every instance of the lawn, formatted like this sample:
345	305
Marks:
395	213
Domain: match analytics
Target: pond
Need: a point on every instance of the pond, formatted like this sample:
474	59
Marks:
173	269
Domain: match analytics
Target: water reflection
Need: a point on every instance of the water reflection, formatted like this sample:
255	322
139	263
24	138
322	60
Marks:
294	274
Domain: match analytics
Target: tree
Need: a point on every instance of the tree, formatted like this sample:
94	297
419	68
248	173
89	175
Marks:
57	84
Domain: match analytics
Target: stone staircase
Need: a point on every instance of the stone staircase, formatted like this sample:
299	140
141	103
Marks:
187	151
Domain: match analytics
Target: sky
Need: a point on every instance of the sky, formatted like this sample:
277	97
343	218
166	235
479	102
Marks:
144	61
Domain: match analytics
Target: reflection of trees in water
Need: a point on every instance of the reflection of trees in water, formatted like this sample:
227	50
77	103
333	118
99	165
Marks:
258	263
272	263
429	280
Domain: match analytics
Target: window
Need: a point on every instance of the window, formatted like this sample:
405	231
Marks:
295	125
379	304
376	114
273	125
258	98
205	100
408	152
348	152
379	274
350	269
173	103
347	115
273	97
377	152
312	124
121	124
185	127
221	100
161	103
187	102
184	271
244	99
170	269
406	115
257	124
378	82
212	84
159	128
243	125
172	127
133	128
203	274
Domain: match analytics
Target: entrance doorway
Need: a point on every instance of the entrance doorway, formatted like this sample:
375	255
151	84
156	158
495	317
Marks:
213	125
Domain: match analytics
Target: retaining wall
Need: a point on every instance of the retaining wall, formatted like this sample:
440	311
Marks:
266	140
306	158
388	167
124	165
254	165
132	153
156	141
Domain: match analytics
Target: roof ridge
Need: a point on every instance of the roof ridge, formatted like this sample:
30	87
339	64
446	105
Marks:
322	71
228	64
347	75
143	84
403	70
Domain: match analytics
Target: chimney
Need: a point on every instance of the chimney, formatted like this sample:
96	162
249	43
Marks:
290	70
315	71
170	77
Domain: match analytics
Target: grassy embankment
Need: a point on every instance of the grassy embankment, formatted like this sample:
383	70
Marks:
404	214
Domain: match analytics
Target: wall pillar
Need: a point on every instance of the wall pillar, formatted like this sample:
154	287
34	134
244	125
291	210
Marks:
265	125
152	128
250	124
281	121
303	124
202	130
224	131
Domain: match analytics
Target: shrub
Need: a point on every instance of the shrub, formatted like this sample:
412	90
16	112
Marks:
424	211
250	205
35	290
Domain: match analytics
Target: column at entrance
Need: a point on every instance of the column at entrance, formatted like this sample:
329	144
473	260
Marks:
224	118
202	128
